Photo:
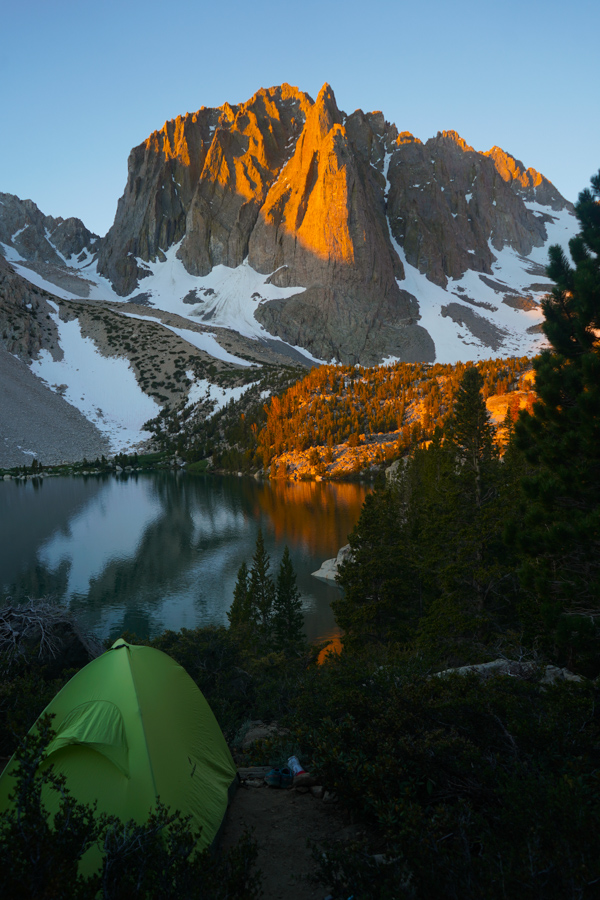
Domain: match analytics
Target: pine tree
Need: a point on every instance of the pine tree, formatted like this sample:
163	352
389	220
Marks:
560	533
462	534
472	487
288	621
383	589
261	589
469	431
240	611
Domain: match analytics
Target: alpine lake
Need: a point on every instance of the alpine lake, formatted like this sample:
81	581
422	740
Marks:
153	551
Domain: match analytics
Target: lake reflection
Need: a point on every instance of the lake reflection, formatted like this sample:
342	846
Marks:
162	550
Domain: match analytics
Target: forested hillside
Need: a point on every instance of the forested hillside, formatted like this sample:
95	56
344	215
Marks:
384	409
335	421
333	403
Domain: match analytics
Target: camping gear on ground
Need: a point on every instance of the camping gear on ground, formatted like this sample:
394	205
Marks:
294	764
281	778
132	726
301	777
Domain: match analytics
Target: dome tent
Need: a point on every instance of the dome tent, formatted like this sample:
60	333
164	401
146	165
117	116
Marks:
133	726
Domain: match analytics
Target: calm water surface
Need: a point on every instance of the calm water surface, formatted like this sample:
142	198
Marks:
162	550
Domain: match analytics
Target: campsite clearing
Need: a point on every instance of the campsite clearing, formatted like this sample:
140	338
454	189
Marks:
282	823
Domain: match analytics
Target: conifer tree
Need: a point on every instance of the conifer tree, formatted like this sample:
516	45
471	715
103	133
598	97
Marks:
560	533
261	589
384	593
462	532
469	431
240	612
288	621
471	488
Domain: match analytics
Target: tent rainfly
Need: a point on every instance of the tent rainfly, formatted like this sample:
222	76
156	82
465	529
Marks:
132	726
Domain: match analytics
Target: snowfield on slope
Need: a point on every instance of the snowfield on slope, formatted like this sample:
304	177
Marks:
224	296
454	342
228	297
202	389
202	340
104	389
560	231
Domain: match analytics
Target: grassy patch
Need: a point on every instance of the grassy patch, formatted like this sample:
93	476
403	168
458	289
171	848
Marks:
197	467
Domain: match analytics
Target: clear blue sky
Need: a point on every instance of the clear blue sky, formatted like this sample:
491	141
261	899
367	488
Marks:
83	82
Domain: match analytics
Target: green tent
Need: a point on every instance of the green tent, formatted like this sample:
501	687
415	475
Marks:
130	727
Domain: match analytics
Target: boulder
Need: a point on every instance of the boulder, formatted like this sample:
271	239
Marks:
258	731
329	569
516	669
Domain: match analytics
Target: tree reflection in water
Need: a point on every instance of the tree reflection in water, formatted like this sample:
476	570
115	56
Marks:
162	550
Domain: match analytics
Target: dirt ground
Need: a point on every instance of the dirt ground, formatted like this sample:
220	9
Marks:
282	821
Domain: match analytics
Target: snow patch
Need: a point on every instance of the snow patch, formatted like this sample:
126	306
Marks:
227	297
203	340
27	452
48	235
454	342
225	294
40	282
20	231
104	389
11	254
560	231
202	389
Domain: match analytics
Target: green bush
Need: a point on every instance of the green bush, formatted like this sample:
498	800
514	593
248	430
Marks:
25	691
155	860
479	789
238	683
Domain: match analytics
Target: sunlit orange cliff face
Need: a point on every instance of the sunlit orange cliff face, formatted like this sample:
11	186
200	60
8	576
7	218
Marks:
320	210
311	200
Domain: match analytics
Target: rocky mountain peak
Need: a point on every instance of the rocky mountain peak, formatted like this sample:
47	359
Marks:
527	183
450	139
325	113
298	208
322	227
377	121
171	140
201	180
42	239
405	137
338	214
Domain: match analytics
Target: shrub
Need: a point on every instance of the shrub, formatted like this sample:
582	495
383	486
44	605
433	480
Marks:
155	860
477	789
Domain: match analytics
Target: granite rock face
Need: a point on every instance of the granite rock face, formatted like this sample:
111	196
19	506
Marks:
334	205
450	207
526	183
201	180
326	202
25	323
323	226
39	238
